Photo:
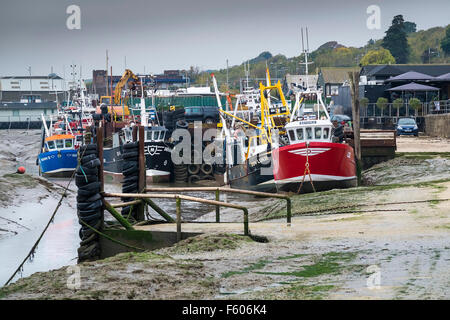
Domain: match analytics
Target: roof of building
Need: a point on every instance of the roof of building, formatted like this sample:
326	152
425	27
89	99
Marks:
392	70
337	74
413	87
27	106
50	76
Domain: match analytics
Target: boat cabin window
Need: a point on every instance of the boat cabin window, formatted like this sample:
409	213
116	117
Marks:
51	145
59	144
309	134
318	132
291	135
326	133
68	143
300	134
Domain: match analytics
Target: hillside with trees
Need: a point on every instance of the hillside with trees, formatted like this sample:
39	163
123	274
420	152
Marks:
402	44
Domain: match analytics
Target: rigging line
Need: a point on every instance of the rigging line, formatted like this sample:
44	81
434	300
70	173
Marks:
31	252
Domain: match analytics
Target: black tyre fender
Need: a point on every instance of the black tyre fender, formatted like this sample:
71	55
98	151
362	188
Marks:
193	179
88	171
95	197
130	164
206	168
89	205
89	239
130	155
131	145
131	188
91	188
92	164
131	171
192	169
182	124
81	179
130	179
87	158
92	217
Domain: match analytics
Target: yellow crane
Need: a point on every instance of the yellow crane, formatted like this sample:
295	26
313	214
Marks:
127	75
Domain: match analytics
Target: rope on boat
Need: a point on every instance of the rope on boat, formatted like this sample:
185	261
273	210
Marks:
307	170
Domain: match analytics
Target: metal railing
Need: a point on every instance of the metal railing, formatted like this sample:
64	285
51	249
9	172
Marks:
434	107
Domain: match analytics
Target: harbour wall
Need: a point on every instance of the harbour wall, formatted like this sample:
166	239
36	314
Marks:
438	125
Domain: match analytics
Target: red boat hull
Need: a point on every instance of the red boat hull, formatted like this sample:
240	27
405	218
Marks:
332	165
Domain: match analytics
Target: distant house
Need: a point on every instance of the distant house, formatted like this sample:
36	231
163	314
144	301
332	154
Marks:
330	79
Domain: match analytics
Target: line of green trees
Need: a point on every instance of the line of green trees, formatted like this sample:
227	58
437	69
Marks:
402	44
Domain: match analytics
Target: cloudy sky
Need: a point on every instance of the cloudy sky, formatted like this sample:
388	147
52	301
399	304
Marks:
175	34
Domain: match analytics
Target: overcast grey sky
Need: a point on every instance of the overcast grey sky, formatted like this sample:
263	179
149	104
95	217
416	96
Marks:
175	34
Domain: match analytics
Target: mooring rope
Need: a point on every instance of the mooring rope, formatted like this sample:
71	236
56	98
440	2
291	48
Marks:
33	248
307	170
326	211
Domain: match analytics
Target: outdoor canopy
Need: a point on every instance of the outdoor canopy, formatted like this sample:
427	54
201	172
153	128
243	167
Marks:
413	87
444	77
410	76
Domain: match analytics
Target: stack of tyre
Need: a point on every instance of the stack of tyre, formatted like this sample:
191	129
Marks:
89	202
198	172
131	176
170	118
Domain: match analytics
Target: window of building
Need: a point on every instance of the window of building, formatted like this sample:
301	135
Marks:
15	113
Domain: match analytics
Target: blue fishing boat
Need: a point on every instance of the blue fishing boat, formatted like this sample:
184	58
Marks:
59	147
59	156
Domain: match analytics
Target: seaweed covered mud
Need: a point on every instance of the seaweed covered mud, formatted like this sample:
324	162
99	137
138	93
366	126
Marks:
388	239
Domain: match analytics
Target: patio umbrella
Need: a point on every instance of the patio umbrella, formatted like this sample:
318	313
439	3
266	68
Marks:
412	86
444	77
415	87
411	76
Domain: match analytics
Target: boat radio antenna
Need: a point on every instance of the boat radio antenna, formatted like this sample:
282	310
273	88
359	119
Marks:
305	52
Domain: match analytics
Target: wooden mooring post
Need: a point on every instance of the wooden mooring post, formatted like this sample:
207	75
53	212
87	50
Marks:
354	86
178	205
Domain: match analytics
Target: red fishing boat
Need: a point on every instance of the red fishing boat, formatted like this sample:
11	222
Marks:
314	155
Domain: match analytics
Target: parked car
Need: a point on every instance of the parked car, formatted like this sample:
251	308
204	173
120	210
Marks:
407	126
205	114
342	119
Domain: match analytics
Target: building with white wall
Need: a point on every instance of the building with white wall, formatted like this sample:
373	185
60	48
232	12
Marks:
13	88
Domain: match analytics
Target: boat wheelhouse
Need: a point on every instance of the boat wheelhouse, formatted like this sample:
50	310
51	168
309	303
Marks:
59	156
158	154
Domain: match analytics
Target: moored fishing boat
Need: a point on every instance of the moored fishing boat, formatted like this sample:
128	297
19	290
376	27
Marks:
58	155
314	157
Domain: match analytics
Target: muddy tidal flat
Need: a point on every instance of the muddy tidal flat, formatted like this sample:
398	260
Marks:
388	239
